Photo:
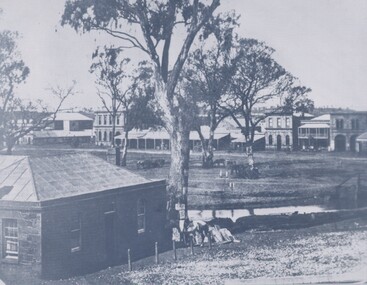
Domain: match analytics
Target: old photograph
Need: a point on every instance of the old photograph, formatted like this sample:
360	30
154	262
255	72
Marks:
183	142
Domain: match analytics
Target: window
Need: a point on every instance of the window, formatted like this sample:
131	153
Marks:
117	120
99	120
99	136
339	124
110	137
141	216
76	234
287	122
10	239
110	120
355	124
270	140
105	119
104	136
270	122
279	122
287	140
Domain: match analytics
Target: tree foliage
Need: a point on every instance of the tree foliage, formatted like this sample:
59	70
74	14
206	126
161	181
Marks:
150	27
17	116
209	72
259	80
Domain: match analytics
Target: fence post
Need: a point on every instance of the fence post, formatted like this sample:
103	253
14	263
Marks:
156	253
129	260
192	246
210	240
174	250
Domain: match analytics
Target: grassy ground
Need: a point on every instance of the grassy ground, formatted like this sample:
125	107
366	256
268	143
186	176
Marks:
286	179
324	250
296	178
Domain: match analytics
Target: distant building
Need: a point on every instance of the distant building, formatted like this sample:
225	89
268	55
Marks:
315	133
70	128
345	127
282	130
361	145
76	213
102	127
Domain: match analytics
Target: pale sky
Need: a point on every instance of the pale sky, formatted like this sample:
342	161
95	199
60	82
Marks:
322	42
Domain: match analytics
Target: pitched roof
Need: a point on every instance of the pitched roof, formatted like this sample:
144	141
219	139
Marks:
72	117
53	177
325	117
16	180
362	137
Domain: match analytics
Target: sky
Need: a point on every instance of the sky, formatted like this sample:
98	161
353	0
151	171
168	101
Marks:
321	42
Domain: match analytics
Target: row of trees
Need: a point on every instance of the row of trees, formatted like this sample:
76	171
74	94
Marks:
225	75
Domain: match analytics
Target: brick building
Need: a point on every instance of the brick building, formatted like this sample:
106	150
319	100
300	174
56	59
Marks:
75	213
281	131
345	127
103	127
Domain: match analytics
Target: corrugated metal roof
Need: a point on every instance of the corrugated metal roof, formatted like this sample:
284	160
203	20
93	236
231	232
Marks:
53	177
16	181
325	117
315	126
62	134
362	137
72	117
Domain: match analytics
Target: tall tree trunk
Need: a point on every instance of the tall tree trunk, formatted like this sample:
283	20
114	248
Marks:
124	149
179	170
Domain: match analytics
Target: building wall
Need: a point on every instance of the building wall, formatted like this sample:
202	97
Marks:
283	126
103	127
29	237
346	133
97	215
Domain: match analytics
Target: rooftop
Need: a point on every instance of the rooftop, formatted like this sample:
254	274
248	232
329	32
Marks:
35	179
66	116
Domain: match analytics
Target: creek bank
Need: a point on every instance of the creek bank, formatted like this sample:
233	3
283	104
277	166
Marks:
285	221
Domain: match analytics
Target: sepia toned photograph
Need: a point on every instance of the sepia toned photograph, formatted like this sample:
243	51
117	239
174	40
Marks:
183	142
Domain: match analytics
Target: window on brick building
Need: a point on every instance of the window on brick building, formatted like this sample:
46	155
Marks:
141	216
10	239
117	120
339	124
99	120
355	124
105	119
287	140
76	234
279	122
270	122
287	122
110	120
270	140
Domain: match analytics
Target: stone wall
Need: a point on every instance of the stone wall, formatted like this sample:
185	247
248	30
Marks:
29	237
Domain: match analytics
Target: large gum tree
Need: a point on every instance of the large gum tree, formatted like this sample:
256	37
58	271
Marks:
151	26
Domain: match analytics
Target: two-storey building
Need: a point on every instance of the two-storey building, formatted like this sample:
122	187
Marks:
103	125
281	131
345	127
315	133
68	127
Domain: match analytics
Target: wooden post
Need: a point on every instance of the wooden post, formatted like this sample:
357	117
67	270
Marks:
174	250
192	245
210	240
156	253
129	260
